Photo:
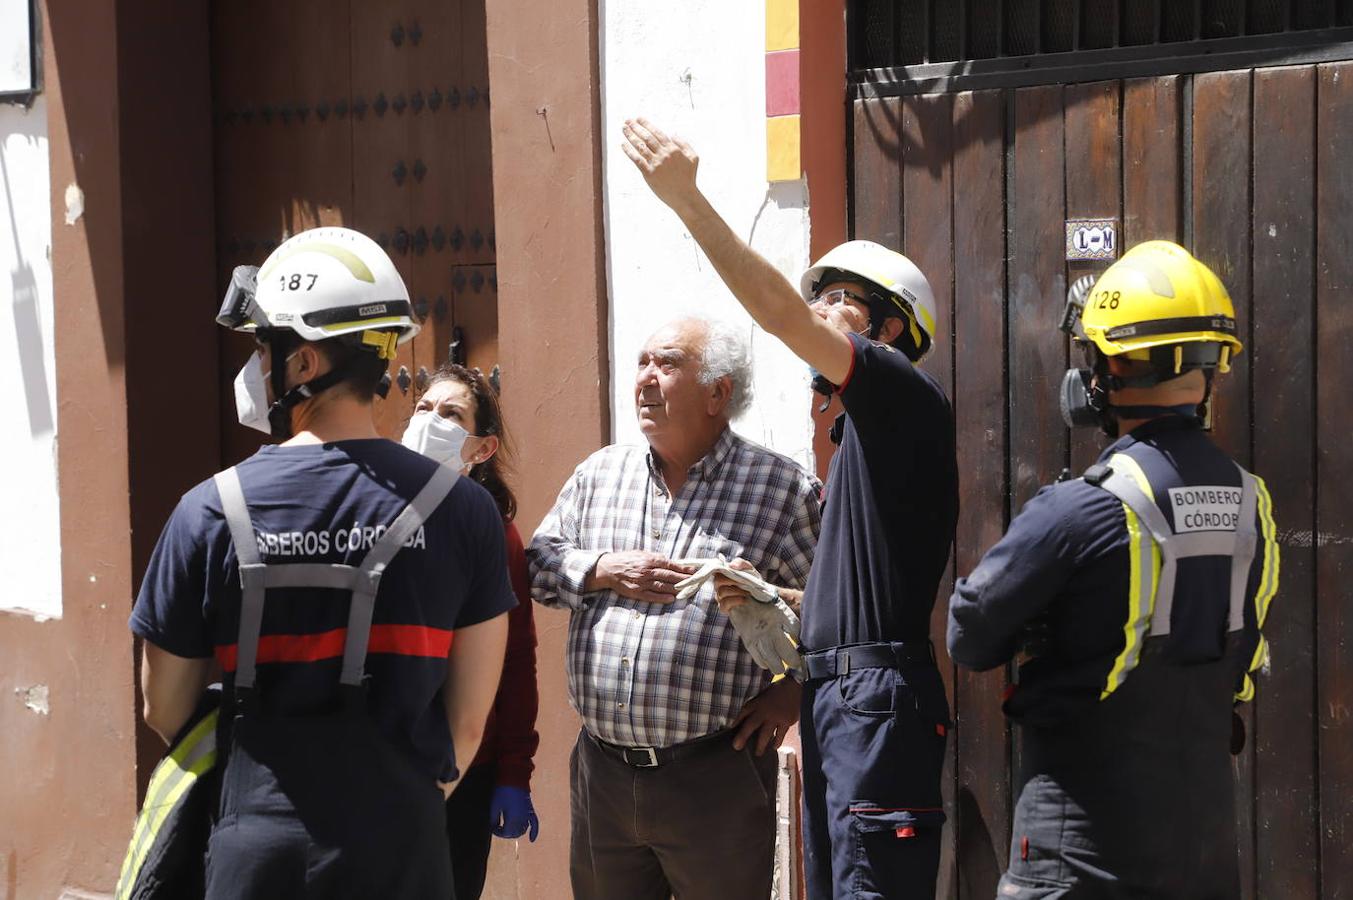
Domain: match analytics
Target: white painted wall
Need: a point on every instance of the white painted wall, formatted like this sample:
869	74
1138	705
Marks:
697	69
30	539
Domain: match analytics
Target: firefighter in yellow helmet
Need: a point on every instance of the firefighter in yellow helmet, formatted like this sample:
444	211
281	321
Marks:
1162	314
1134	598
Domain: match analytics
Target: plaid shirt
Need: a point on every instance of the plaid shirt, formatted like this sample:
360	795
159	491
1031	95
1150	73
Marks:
652	675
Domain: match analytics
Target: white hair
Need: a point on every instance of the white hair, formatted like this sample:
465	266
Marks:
727	354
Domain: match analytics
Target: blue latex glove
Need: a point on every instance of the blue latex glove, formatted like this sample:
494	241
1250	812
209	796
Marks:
511	812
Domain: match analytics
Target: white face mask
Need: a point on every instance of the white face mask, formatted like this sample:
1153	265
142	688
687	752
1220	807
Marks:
251	394
436	438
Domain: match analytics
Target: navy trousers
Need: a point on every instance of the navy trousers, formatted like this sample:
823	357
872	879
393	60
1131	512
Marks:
1135	797
325	808
873	751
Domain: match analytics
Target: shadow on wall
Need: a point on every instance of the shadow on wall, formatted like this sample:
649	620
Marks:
27	321
92	141
32	365
781	195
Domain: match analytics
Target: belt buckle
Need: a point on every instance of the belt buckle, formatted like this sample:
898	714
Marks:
651	762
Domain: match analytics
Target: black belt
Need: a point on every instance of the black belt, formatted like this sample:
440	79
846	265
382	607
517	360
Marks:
652	757
842	660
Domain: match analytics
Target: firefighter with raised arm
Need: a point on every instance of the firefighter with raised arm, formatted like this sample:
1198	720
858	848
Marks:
1147	581
874	714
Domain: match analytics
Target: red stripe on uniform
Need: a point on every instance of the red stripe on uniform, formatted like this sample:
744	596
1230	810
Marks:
410	640
399	640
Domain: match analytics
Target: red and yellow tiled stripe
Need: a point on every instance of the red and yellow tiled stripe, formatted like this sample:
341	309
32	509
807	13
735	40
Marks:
783	157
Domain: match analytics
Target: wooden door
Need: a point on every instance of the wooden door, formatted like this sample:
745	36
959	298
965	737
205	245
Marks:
373	116
1244	168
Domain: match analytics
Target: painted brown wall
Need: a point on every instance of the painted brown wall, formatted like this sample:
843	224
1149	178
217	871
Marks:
66	795
128	94
822	78
553	329
822	30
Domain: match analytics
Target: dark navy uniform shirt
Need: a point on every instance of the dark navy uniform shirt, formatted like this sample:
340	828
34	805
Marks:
328	504
890	507
1058	581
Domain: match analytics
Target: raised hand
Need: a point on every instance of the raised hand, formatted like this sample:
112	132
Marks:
668	163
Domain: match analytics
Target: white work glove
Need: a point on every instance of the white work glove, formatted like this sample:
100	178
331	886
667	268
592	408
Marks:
768	628
770	632
750	582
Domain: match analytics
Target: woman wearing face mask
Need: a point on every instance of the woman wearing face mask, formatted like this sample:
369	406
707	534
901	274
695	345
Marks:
458	422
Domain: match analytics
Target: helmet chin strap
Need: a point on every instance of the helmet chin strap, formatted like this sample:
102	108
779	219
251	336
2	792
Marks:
1111	414
279	414
1187	410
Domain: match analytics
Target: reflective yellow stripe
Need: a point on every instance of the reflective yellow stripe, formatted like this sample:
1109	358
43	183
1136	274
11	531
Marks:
167	783
160	782
1141	600
1260	655
1268	580
926	320
179	788
187	778
1142	581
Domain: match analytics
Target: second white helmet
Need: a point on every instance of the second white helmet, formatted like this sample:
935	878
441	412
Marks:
898	278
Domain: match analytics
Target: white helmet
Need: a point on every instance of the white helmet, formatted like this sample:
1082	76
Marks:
324	283
900	281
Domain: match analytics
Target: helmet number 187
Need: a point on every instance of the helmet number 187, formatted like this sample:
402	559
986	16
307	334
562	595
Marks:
292	282
1108	300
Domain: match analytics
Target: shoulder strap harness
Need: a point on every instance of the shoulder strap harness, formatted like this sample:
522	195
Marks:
1155	549
361	581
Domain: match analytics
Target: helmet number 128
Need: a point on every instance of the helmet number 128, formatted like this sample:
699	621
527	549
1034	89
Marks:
1109	300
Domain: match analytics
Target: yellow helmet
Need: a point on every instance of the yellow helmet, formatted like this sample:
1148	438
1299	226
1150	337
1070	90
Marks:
1158	297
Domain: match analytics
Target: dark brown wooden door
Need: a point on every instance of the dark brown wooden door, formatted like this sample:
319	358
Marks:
1245	168
369	115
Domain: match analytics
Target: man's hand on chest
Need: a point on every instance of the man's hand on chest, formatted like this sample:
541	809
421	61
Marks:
638	575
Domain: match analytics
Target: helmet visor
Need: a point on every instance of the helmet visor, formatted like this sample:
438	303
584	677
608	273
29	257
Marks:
1075	306
238	308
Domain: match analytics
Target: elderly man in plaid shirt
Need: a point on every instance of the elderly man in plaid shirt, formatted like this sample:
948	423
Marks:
673	790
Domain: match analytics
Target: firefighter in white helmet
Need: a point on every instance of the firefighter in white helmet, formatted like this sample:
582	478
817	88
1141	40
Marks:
874	713
326	576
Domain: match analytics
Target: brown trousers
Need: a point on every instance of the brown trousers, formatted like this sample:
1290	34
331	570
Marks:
701	828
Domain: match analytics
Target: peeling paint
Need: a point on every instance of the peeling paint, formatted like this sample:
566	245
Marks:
1293	538
75	203
36	698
